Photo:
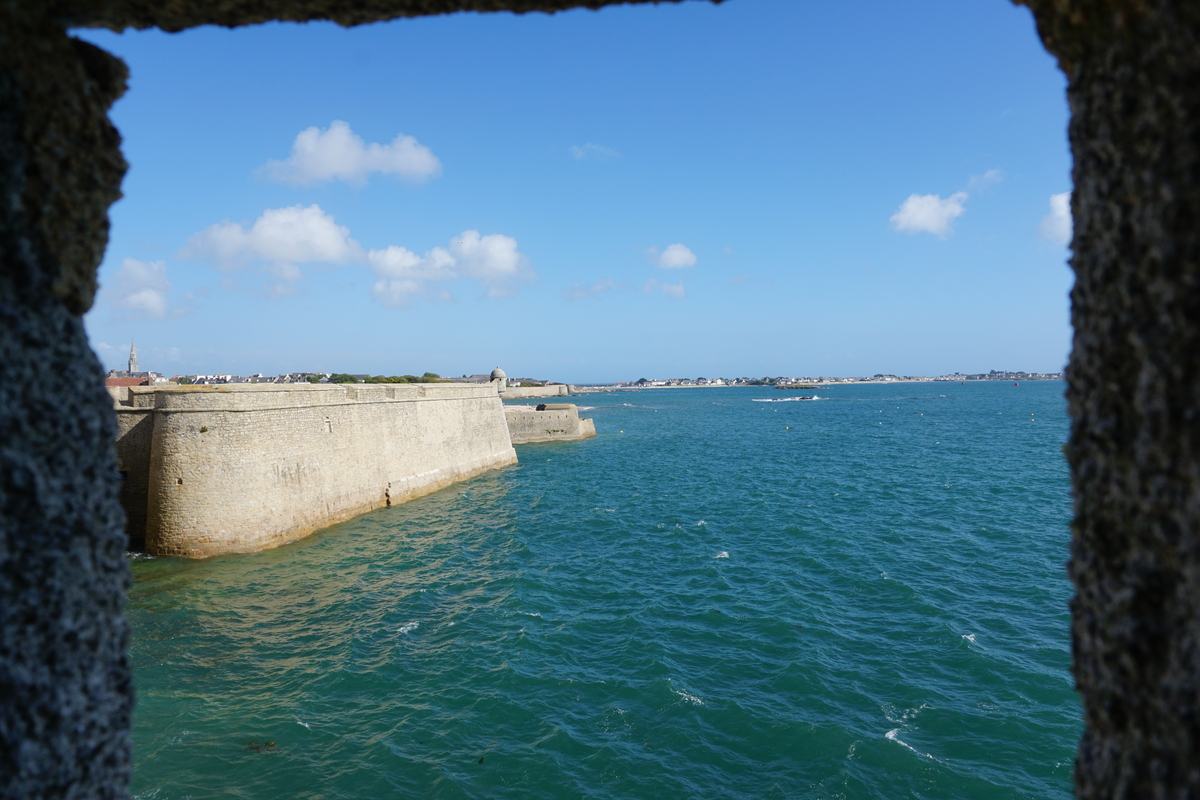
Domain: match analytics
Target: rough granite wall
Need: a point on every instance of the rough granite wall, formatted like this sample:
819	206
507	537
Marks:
1133	389
240	469
1133	86
65	691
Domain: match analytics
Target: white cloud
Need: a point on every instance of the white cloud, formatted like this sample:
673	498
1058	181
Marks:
669	289
593	152
579	291
1057	226
492	260
338	153
141	287
676	256
279	241
989	178
283	240
929	213
403	273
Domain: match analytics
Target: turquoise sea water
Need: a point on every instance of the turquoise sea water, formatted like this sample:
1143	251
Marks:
861	596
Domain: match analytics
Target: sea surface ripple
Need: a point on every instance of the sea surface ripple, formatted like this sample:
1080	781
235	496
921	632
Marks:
861	596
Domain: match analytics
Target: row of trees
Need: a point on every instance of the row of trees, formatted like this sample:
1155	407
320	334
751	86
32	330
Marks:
341	377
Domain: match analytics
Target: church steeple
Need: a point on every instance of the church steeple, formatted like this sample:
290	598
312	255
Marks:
133	365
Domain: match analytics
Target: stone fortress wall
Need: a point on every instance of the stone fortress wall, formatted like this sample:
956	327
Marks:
549	422
550	390
211	470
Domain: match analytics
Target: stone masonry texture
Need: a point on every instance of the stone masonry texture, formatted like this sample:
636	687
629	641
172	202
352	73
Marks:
1134	91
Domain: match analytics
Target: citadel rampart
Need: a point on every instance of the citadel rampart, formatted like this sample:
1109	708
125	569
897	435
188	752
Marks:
211	470
549	422
551	390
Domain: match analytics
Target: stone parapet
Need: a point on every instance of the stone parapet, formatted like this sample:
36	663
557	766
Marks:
552	390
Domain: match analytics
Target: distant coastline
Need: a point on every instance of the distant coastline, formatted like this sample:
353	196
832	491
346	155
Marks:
820	383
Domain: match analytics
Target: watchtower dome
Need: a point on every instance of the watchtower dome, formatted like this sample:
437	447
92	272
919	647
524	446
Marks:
499	376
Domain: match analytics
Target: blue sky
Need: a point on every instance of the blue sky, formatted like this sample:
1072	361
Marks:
761	187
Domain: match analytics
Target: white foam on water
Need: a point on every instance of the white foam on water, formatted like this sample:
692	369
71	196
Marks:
970	637
722	554
701	522
530	614
691	698
894	736
901	716
411	626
